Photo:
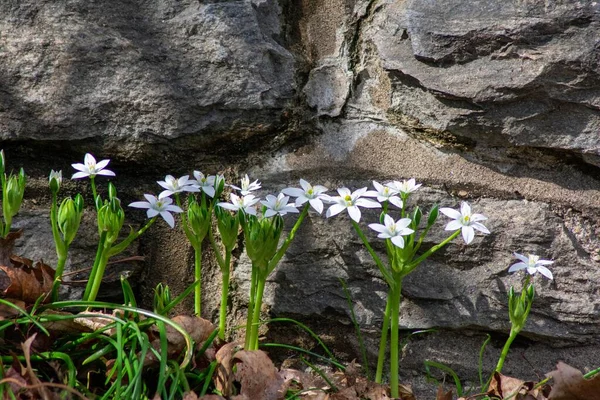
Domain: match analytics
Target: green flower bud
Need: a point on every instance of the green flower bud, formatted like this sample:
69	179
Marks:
198	218
219	185
69	218
55	180
433	214
417	214
111	218
228	226
112	191
2	162
15	188
262	238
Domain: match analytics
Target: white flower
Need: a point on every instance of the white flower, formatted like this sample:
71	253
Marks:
158	206
313	194
246	186
174	185
278	205
406	186
393	230
385	193
350	201
90	168
205	183
464	220
244	203
533	264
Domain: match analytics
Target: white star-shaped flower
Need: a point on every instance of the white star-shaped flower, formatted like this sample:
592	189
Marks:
91	168
385	193
246	186
313	194
393	230
532	264
205	183
278	205
350	201
173	185
465	221
244	203
155	206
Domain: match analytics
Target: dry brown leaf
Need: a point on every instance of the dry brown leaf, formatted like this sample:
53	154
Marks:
95	321
223	377
10	312
258	376
504	386
198	328
441	395
348	393
26	281
569	384
42	390
406	393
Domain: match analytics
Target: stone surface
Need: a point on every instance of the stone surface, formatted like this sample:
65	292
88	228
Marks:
494	102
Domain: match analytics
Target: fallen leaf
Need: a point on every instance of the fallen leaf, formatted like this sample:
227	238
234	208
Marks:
441	395
348	393
26	281
223	377
569	384
43	391
258	376
8	311
198	328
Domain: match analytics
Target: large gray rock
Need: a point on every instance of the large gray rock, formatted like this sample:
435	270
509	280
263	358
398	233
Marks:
494	102
141	72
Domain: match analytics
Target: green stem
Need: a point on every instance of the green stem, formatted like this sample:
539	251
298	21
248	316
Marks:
213	244
94	272
432	250
94	191
114	250
277	257
250	306
511	337
5	213
386	275
186	228
395	294
383	342
98	277
224	296
60	267
256	314
198	277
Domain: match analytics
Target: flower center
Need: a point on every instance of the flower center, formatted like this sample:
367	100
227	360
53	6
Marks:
348	199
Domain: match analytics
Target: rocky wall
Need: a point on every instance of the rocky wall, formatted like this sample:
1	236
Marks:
494	102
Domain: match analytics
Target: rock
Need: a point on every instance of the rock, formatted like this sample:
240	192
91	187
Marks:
491	102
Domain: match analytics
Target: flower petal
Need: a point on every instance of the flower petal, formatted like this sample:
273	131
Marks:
480	227
468	233
140	204
317	204
453	225
335	209
294	192
378	227
517	267
395	200
354	213
398	241
367	203
168	218
78	175
450	212
545	271
105	172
